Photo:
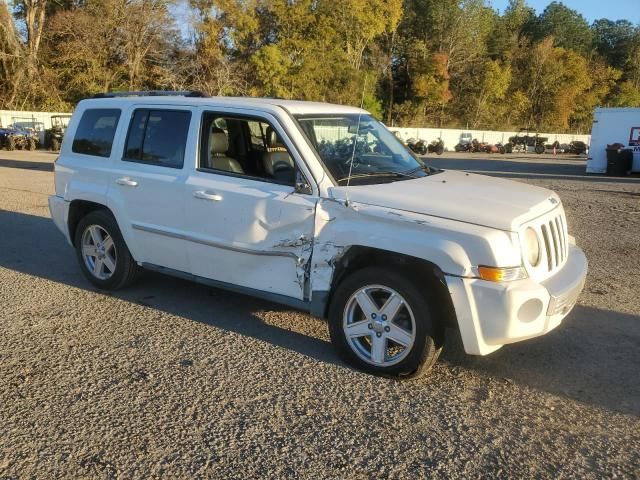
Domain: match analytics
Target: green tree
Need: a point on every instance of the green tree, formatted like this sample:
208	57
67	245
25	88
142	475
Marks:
568	28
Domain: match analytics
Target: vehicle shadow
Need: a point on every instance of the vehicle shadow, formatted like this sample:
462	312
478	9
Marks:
591	358
27	165
25	237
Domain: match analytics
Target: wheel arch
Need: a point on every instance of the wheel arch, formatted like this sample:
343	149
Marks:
357	257
79	209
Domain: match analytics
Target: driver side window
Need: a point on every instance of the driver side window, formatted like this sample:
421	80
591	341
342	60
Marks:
244	146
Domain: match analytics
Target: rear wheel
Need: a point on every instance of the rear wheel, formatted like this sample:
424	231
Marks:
102	253
539	149
381	323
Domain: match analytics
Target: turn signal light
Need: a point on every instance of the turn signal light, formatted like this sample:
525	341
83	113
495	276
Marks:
505	274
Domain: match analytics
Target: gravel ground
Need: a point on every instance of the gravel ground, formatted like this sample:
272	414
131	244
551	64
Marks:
173	379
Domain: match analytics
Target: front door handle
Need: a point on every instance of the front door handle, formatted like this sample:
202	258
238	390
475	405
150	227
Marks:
127	182
207	195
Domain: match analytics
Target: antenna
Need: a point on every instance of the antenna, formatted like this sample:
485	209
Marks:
355	142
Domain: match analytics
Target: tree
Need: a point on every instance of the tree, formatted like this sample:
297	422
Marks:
553	79
568	28
613	40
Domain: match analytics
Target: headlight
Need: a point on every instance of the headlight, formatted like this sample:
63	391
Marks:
531	247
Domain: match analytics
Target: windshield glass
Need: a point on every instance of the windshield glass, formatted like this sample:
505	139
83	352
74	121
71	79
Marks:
361	147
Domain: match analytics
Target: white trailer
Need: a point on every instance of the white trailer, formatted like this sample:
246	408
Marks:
613	125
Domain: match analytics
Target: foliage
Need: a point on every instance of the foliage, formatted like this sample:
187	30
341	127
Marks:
410	62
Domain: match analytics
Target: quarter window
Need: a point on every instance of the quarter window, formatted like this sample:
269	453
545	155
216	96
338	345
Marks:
158	137
95	132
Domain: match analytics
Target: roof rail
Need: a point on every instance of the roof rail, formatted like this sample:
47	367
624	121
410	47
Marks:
152	93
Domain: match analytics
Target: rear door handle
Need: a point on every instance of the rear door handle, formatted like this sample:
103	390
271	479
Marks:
127	182
207	195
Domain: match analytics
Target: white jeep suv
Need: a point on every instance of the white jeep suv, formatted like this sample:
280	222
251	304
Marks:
318	207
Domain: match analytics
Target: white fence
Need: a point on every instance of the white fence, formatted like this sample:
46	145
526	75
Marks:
40	120
451	137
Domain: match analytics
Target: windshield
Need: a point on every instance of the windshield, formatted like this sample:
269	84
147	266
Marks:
360	147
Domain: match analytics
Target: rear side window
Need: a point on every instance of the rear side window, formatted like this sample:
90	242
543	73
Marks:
95	132
158	137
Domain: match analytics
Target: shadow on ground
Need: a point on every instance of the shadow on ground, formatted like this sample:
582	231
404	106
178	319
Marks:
592	357
26	165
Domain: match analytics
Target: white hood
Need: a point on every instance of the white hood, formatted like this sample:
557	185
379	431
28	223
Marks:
466	197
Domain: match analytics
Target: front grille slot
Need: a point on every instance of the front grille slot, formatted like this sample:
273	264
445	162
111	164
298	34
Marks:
554	242
556	250
560	238
546	245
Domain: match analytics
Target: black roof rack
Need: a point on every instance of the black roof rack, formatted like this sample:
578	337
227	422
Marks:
152	93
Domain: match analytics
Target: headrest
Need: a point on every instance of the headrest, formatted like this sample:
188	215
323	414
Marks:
218	141
273	139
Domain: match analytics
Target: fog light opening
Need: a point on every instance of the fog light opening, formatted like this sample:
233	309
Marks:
530	310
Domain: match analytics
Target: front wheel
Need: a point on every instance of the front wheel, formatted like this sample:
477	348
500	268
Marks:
539	149
381	323
102	252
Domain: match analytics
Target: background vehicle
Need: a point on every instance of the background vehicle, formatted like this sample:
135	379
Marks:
53	136
463	147
12	138
436	146
578	147
525	140
417	146
610	126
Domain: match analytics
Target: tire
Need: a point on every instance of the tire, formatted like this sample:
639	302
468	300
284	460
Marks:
31	144
11	143
55	144
502	150
508	148
440	149
92	227
539	149
412	360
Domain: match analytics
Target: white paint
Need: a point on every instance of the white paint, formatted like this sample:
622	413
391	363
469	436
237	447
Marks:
265	236
612	125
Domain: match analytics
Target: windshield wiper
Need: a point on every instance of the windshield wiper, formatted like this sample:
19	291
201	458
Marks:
424	168
378	174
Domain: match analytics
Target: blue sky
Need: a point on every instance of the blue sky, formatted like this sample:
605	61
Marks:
590	9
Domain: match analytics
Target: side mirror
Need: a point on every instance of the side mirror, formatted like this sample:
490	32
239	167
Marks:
301	185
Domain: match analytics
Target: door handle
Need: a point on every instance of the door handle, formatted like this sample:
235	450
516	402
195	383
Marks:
127	182
207	195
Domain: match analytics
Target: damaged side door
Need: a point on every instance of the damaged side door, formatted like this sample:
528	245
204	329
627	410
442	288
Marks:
245	230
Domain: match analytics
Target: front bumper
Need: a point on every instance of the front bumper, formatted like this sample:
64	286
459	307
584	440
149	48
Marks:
59	209
491	315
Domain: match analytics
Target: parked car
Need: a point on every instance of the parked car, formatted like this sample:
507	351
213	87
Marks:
318	207
578	147
54	135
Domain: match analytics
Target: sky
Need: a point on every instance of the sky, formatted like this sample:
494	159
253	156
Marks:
590	9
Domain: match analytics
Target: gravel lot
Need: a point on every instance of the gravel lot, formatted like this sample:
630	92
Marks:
173	379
